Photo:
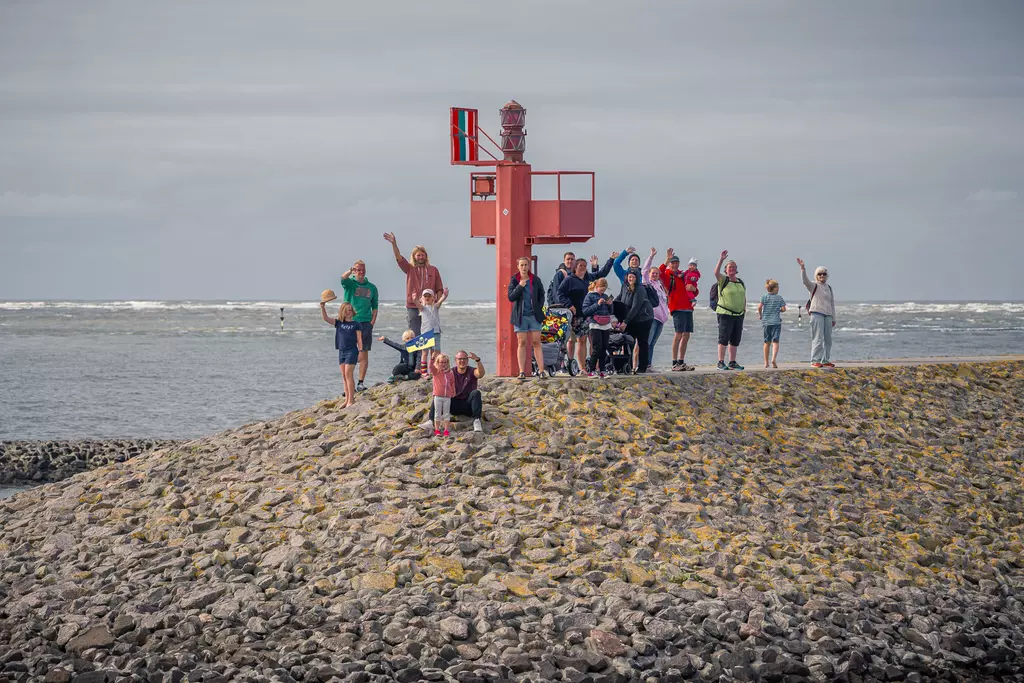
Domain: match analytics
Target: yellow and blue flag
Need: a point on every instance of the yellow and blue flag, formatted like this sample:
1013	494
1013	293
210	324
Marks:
424	341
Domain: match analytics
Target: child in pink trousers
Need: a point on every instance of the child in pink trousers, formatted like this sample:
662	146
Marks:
444	389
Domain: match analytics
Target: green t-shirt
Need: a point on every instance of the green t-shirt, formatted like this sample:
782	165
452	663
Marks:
733	297
362	296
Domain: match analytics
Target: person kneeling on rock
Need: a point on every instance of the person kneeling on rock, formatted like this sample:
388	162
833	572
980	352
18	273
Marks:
468	400
406	368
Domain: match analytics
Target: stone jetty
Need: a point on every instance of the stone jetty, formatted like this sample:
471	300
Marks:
852	525
44	461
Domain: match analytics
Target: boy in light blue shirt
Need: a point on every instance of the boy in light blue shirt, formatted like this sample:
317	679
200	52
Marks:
770	311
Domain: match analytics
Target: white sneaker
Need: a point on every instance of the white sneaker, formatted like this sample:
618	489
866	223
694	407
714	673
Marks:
478	426
428	425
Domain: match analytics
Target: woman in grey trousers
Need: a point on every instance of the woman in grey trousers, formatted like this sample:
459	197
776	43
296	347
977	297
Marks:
822	311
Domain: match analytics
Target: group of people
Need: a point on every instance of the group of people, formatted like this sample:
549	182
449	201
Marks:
455	388
649	295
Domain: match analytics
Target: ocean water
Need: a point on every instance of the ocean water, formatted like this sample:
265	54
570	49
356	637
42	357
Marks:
182	369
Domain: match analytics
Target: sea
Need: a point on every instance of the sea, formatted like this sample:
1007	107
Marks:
183	369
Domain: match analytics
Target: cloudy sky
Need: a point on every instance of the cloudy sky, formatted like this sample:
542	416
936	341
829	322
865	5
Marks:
253	149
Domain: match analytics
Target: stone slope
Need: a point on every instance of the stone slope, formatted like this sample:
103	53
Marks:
848	525
41	461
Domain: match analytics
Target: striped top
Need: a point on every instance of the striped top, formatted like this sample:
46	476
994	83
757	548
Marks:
771	309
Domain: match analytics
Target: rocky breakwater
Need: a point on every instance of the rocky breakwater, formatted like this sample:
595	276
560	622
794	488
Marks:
855	525
42	461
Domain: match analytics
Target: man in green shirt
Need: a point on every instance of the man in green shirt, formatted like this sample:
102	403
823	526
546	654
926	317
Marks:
362	294
732	306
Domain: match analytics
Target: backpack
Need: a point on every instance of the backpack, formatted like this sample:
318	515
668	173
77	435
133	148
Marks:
652	295
713	298
552	296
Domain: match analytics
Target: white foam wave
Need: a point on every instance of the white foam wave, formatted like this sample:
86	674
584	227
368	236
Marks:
202	305
947	308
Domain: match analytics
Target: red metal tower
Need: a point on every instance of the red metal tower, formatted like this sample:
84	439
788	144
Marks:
503	210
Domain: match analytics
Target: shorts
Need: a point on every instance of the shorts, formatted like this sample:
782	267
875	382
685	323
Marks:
367	335
349	356
529	324
579	327
682	321
772	333
730	329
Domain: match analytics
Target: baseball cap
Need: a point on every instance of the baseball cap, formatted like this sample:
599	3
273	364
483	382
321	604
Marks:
674	259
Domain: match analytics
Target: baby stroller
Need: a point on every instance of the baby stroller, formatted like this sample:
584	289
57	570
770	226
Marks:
554	339
620	350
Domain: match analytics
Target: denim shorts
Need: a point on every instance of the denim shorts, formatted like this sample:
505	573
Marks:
529	324
682	321
348	356
772	333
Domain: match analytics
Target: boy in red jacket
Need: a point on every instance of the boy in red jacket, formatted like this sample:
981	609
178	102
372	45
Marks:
681	294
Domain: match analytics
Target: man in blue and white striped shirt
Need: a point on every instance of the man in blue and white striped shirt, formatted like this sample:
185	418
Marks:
770	312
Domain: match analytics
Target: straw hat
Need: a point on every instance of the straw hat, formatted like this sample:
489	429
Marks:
328	295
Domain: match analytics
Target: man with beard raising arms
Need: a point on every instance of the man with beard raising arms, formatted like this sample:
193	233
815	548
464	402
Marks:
419	275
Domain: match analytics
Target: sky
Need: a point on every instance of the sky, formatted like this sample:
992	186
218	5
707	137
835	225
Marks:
254	149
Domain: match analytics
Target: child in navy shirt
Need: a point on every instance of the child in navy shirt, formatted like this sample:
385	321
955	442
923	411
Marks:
348	339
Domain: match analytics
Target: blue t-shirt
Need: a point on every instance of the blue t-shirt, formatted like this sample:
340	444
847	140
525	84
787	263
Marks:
528	300
345	334
771	305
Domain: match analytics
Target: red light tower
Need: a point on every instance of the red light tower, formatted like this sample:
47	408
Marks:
503	211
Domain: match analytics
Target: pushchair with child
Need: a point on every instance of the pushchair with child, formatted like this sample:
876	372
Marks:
554	339
620	350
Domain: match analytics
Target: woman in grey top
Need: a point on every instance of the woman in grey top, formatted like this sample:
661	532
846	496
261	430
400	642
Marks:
821	308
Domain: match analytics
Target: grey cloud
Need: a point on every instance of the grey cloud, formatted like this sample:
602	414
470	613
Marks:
261	146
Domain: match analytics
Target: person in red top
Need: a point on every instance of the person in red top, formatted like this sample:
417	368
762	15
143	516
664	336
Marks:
692	276
680	305
419	275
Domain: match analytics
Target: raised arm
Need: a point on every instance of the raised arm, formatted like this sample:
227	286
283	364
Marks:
803	275
390	237
323	313
718	266
604	270
442	297
647	264
479	371
620	272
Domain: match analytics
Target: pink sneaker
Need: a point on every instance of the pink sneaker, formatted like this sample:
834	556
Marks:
437	432
601	375
446	433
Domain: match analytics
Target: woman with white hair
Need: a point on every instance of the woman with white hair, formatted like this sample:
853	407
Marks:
821	308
